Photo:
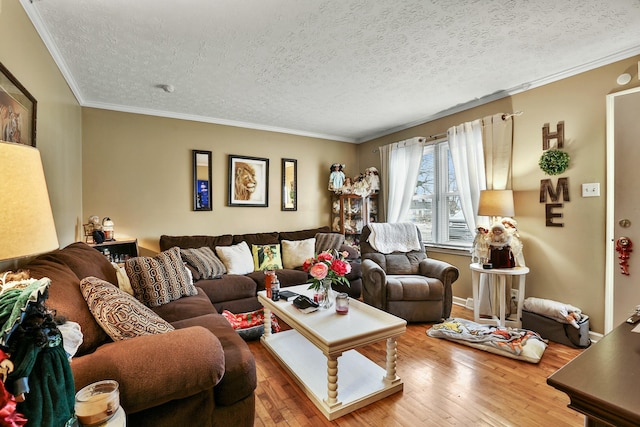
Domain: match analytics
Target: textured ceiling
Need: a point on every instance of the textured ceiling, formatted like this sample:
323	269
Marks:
348	70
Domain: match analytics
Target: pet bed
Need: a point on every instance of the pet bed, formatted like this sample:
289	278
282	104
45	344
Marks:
520	344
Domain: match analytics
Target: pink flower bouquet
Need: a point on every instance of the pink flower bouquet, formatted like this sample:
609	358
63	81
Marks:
327	266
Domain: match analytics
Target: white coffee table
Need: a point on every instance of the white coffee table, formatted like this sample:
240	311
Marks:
325	338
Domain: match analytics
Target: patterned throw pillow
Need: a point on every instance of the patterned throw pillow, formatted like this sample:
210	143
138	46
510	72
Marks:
266	257
296	252
160	279
237	259
118	313
204	261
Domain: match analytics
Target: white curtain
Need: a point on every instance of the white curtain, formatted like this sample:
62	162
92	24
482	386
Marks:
400	164
481	156
467	155
498	144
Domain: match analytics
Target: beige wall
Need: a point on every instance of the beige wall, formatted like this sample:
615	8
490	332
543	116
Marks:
59	136
137	170
567	264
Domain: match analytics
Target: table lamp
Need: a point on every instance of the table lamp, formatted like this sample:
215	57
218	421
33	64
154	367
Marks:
496	203
26	220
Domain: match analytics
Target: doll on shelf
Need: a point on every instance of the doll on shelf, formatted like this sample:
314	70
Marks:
373	179
347	188
336	178
361	186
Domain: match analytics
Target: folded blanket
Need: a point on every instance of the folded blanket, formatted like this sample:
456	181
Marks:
394	237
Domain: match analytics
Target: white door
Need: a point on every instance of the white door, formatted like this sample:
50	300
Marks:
623	204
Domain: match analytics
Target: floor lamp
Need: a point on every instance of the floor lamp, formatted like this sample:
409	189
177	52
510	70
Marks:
26	220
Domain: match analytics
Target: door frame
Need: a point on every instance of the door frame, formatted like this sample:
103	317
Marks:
611	266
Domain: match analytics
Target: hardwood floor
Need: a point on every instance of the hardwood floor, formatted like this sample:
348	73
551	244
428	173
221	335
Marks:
445	384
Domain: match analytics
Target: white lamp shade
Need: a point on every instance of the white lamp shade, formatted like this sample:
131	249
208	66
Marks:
26	220
496	203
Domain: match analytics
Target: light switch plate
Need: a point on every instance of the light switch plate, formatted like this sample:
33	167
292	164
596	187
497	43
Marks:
591	189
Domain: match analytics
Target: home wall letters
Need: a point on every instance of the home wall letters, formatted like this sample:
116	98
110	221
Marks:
546	187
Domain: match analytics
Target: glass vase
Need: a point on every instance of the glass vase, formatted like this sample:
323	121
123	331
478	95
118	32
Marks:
326	301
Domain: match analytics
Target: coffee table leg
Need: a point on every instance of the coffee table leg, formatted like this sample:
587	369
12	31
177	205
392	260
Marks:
332	381
267	323
392	356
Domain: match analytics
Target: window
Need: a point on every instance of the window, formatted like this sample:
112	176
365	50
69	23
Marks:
435	207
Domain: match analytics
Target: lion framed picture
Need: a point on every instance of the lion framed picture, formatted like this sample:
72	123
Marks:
248	181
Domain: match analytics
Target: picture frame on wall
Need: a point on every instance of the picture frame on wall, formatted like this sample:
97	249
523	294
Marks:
289	184
17	110
248	181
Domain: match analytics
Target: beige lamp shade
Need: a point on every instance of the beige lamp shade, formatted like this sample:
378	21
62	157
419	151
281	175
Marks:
496	203
26	219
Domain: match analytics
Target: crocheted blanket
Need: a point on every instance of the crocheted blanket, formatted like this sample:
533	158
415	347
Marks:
394	237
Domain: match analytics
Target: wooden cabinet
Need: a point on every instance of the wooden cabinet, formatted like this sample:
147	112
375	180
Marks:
350	212
118	250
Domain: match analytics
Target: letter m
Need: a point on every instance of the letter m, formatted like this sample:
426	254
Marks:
547	188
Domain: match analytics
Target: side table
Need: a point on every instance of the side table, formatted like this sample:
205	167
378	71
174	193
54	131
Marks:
498	277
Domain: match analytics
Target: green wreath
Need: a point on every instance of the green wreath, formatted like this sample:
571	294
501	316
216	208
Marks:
554	162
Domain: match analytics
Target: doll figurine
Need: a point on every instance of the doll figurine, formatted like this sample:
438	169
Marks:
500	252
373	178
336	178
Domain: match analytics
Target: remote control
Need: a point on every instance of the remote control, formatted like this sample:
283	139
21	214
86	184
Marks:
634	319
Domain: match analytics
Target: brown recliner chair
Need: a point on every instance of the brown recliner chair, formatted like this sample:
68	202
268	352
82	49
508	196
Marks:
407	284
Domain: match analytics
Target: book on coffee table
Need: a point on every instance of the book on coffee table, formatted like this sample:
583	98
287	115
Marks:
288	295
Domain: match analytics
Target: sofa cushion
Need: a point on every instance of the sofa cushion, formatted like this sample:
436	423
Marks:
237	259
120	314
230	287
240	378
207	264
286	277
185	307
186	242
257	238
66	299
85	261
159	279
303	234
266	257
296	252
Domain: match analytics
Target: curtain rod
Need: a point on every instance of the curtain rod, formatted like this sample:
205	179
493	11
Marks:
505	116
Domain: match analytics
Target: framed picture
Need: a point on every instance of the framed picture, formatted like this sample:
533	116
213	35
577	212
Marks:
248	181
17	111
289	184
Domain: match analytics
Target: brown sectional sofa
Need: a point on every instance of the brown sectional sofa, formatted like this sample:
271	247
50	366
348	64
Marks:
200	374
238	293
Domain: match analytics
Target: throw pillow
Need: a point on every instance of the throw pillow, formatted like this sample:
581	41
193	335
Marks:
123	279
159	279
118	313
266	257
206	263
296	252
237	259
